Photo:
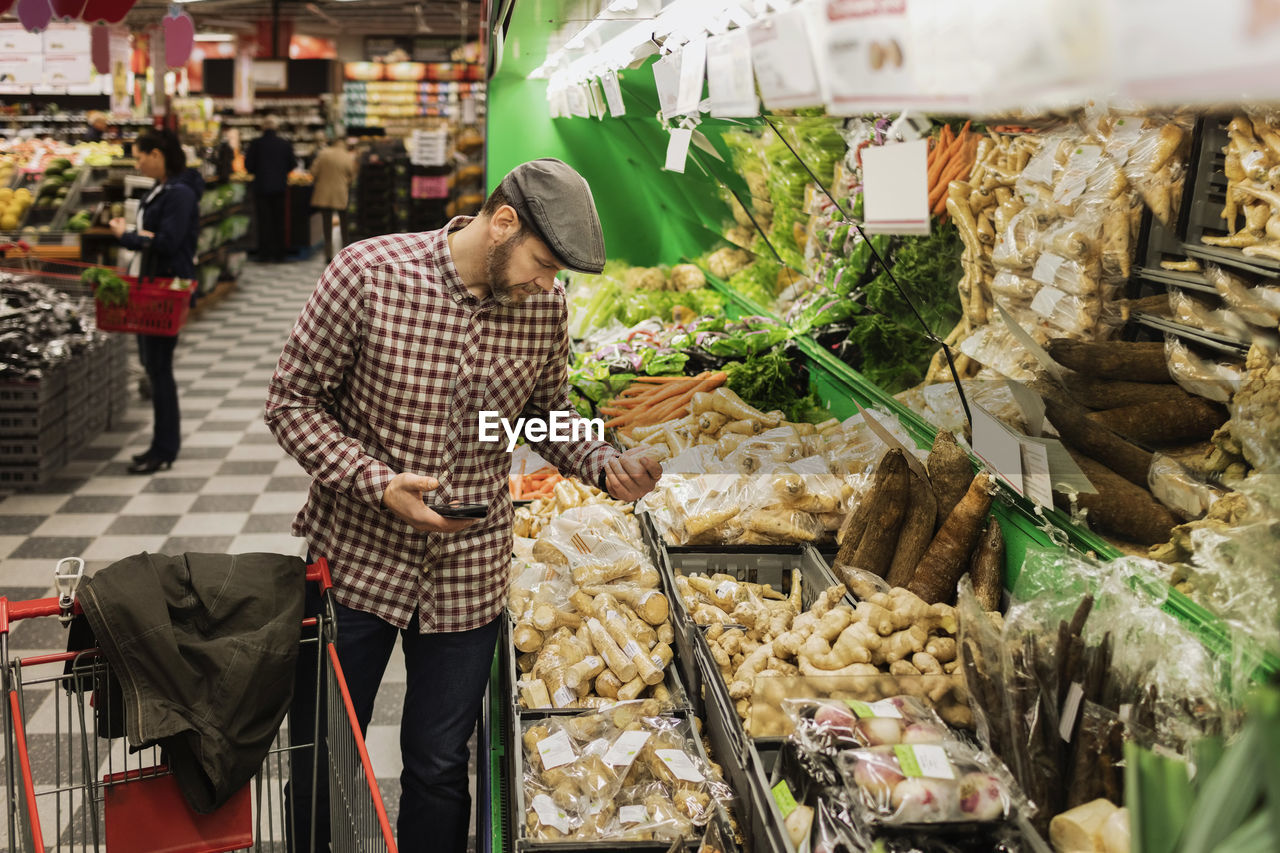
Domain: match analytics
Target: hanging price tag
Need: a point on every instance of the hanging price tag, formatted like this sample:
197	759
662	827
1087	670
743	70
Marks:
730	83
678	149
693	67
666	77
782	58
868	53
613	94
896	188
549	814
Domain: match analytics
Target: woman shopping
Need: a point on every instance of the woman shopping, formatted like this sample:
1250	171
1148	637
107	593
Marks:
164	246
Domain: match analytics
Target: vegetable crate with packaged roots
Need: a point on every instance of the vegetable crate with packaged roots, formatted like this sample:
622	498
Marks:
966	533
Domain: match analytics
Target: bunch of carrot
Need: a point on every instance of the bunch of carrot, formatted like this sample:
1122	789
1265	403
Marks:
951	159
536	485
655	399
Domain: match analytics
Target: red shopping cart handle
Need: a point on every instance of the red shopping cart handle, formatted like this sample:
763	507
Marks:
12	611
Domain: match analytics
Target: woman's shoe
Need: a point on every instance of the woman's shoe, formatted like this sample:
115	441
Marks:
150	465
140	457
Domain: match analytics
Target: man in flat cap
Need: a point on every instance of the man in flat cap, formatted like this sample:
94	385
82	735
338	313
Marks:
405	341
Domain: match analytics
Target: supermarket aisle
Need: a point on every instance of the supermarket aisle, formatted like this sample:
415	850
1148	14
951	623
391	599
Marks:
232	489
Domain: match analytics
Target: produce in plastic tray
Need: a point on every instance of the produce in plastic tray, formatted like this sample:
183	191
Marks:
622	774
924	783
591	625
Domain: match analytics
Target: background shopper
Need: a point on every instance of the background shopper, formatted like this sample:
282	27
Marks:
164	246
334	169
270	159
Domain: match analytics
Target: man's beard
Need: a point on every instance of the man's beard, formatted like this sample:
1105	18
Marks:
496	261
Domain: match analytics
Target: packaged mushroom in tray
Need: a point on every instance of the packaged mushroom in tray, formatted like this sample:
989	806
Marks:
617	775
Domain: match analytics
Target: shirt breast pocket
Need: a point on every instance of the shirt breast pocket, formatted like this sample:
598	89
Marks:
511	383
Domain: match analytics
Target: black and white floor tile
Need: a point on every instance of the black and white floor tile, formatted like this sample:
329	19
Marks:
231	490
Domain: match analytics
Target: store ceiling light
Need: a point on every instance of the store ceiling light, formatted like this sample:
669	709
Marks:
215	37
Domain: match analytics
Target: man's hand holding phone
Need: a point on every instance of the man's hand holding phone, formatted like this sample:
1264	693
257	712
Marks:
406	497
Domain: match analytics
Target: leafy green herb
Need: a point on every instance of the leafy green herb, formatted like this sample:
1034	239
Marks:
895	352
768	381
108	288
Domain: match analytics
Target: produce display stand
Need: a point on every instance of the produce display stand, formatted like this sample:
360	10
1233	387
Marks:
654	216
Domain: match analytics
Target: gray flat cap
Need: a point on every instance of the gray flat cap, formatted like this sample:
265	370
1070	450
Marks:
556	203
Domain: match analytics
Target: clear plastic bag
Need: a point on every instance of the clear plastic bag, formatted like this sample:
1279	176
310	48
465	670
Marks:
1177	488
1256	304
907	785
850	724
1215	381
1254	409
1195	313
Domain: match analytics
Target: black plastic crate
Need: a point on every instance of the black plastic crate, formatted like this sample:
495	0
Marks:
1207	188
679	695
25	422
516	803
23	395
32	449
760	823
761	564
17	475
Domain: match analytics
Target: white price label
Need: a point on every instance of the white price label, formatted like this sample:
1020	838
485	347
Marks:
1047	266
728	589
782	58
556	750
678	149
625	748
680	765
613	94
563	697
666	76
633	814
730	83
632	649
693	70
1070	710
549	814
884	709
924	760
1047	300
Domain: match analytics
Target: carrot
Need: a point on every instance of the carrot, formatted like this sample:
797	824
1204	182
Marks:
948	554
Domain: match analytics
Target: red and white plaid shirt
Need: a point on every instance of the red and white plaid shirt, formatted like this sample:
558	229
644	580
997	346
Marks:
386	371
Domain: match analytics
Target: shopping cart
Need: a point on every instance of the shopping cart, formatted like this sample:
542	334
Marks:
156	306
73	785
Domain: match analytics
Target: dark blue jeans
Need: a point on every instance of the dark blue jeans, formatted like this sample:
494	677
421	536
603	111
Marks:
156	354
446	678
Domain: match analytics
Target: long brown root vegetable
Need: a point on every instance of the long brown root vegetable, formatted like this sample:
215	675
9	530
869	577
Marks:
948	554
916	533
1164	423
855	522
987	570
950	472
880	539
1095	440
1121	508
882	505
1136	361
1114	393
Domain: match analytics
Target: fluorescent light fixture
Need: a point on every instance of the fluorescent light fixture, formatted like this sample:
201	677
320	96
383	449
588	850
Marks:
215	37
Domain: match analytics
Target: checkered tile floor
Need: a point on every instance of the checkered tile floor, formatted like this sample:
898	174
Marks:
231	490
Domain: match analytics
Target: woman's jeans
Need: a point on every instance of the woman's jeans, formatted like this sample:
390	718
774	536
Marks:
446	679
156	354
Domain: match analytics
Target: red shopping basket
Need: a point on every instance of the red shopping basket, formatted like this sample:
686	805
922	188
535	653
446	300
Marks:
155	307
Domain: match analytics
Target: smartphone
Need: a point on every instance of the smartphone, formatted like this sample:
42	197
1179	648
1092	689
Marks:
461	510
